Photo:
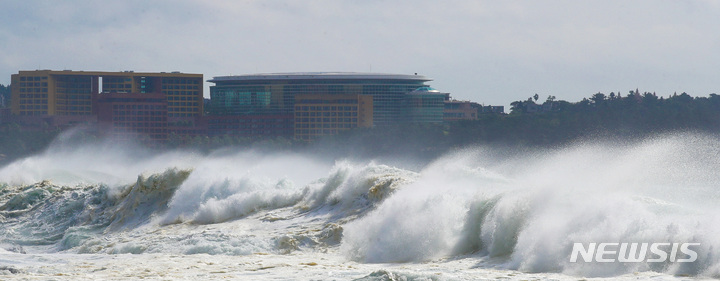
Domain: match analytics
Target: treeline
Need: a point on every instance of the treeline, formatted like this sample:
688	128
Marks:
633	115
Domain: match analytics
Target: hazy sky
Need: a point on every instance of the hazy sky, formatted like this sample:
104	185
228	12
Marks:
492	52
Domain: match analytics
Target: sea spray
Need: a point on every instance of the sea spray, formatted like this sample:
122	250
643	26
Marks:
423	220
532	209
243	203
106	164
519	210
352	189
231	185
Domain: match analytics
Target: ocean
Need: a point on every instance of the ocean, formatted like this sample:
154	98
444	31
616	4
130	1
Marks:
105	211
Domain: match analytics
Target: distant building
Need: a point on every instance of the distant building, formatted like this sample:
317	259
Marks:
133	115
327	114
71	93
424	105
460	110
164	106
275	93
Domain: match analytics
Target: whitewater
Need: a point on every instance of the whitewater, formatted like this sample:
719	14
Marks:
105	211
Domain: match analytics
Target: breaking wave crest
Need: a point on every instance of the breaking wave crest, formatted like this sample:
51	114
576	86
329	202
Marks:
92	218
45	213
513	209
527	213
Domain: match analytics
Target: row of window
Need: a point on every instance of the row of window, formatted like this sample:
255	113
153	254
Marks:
36	84
300	132
181	81
30	96
139	113
182	93
42	110
182	114
325	114
326	120
132	118
31	90
73	102
73	78
33	78
33	101
180	87
23	107
139	125
251	126
72	85
183	109
31	113
326	108
183	104
112	79
113	84
139	106
225	121
182	98
248	133
326	126
325	101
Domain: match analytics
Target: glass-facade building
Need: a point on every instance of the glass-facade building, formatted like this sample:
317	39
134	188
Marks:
276	93
424	105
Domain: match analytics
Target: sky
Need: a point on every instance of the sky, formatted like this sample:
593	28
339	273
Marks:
491	52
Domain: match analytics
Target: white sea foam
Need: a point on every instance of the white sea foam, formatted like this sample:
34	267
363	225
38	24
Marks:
475	209
528	210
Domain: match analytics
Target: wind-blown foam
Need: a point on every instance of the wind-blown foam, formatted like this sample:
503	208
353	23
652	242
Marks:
529	209
519	210
107	163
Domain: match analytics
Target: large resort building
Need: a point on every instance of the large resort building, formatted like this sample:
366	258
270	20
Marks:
127	104
71	93
276	93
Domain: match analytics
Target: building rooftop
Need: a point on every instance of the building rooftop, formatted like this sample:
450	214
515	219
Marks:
319	76
109	73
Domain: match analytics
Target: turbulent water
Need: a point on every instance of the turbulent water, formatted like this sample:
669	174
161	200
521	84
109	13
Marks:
107	212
